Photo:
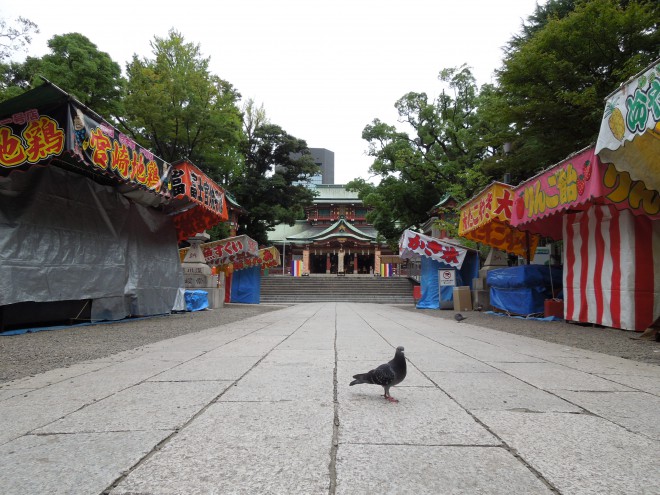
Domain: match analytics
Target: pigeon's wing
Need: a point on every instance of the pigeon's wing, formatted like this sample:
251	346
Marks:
383	375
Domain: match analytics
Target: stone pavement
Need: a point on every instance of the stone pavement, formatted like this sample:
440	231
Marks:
263	406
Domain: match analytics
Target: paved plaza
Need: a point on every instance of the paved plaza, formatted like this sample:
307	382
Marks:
263	405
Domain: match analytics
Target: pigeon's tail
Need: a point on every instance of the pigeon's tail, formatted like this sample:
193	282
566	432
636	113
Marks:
361	378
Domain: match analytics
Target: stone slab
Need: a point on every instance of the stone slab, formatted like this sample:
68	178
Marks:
637	411
432	470
423	416
266	447
579	453
68	464
148	406
211	366
498	391
551	376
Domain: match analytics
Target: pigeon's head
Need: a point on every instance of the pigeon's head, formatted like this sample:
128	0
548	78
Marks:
400	349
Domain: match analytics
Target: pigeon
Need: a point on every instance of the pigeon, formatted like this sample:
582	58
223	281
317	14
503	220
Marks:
386	375
459	317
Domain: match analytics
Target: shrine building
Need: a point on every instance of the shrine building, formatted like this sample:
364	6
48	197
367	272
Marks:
334	238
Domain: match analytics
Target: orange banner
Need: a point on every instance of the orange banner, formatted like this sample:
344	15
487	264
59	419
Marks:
202	200
486	219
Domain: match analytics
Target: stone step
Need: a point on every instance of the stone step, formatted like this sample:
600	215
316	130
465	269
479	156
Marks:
286	289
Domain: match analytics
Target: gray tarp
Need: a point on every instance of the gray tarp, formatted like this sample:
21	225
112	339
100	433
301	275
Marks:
66	237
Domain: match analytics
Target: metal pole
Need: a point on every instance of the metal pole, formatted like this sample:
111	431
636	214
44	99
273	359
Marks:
284	250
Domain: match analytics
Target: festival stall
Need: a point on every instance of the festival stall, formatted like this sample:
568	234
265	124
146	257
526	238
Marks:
241	260
436	255
629	134
486	219
629	138
82	231
611	236
197	201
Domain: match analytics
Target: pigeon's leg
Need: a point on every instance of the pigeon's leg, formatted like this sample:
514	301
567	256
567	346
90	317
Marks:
388	396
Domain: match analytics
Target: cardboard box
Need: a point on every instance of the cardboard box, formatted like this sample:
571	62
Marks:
462	299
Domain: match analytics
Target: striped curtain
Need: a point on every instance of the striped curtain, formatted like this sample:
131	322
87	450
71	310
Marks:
611	268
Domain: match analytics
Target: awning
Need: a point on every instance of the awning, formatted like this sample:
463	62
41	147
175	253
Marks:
238	253
198	204
629	134
486	219
573	184
46	126
413	244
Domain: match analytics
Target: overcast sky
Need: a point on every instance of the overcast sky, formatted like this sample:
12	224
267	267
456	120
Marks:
322	69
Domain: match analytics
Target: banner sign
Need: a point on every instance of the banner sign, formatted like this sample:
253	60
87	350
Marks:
573	183
269	257
67	131
238	253
629	135
487	219
190	185
414	244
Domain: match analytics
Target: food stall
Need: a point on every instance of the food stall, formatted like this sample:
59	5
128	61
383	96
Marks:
629	139
198	203
610	231
486	219
437	255
241	260
83	234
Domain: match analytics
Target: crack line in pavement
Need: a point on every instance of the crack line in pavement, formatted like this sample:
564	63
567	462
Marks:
335	424
156	448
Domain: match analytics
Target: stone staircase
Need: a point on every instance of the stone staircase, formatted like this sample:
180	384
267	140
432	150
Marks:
331	288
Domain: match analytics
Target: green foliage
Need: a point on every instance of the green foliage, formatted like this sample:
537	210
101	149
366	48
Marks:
556	75
77	66
274	162
439	155
177	108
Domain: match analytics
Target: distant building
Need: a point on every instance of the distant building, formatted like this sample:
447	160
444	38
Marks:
335	237
325	159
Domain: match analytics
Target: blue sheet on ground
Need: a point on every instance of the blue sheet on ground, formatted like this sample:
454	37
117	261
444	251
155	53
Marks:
197	300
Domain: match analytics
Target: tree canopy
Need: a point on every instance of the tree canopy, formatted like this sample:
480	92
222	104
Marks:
271	184
438	152
177	108
547	103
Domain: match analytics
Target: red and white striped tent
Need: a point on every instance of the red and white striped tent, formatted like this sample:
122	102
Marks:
610	226
611	268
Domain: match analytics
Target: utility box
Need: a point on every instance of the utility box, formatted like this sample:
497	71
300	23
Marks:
462	299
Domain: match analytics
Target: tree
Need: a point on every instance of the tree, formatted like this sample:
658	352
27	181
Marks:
14	38
271	186
555	76
177	108
76	65
440	155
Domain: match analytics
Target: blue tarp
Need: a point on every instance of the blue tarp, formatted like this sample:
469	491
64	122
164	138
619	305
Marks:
523	289
196	300
246	286
525	276
432	293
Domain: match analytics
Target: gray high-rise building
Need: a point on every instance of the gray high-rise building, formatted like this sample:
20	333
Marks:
326	160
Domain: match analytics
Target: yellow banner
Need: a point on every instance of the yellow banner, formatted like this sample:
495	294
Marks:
486	219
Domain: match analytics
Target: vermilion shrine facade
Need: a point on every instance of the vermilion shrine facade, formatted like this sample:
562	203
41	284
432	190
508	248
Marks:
334	238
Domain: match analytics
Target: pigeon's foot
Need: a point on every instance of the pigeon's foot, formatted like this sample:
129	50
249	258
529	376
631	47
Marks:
391	399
